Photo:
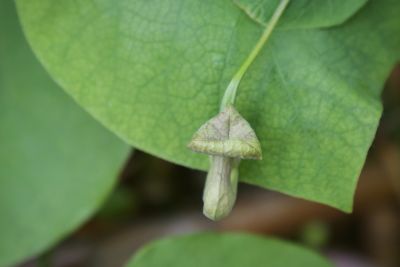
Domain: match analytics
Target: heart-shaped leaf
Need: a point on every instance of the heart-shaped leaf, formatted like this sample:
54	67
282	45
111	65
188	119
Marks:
56	163
225	250
155	71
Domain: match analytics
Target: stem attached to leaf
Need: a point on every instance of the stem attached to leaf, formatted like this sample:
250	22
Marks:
228	138
220	191
230	92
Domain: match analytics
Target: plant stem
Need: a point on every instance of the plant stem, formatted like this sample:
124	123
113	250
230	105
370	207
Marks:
230	92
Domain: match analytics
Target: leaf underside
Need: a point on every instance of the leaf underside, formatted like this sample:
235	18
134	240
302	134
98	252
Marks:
155	71
56	163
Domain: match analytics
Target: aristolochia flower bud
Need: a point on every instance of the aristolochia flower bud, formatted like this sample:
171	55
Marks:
227	137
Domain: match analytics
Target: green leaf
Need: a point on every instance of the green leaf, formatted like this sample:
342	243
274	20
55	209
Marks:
225	250
303	14
56	163
155	71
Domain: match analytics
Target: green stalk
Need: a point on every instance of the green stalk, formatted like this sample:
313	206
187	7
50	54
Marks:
230	92
220	191
219	194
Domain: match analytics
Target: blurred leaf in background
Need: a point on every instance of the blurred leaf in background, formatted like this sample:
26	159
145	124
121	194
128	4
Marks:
225	250
56	163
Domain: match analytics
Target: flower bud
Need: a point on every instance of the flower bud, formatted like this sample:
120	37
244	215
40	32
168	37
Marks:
227	138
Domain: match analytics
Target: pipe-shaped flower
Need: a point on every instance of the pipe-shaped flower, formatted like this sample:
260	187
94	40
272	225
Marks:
227	138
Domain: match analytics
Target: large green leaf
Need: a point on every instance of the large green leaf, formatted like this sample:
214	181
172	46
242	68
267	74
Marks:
155	71
303	13
225	250
56	163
